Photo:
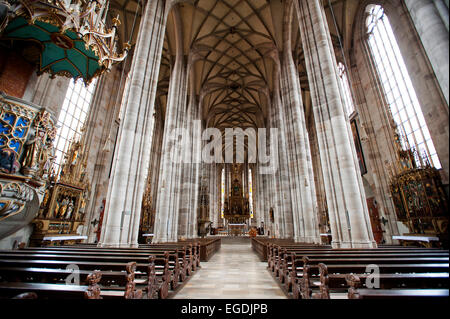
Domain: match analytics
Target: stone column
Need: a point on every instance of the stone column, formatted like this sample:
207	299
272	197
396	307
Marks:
430	18
195	168
283	166
349	218
129	171
214	196
168	202
212	182
187	175
266	203
305	229
100	126
257	197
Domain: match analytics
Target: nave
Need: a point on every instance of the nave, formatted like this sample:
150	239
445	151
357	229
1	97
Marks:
234	272
319	128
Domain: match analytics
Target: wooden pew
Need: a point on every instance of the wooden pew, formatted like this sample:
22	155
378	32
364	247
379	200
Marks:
183	253
176	264
282	263
163	274
57	291
188	254
192	253
287	274
208	246
303	286
355	293
337	282
280	259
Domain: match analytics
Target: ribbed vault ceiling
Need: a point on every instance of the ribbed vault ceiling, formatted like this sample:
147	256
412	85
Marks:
232	39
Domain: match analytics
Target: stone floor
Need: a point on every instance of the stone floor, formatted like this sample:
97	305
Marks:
234	272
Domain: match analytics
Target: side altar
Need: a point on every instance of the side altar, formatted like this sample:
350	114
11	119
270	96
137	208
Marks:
62	211
419	198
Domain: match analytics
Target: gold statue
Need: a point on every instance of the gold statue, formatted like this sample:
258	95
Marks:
62	209
46	197
31	157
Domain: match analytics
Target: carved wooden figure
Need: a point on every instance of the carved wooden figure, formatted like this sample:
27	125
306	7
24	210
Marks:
353	281
152	281
93	291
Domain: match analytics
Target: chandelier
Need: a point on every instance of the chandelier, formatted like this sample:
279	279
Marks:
73	36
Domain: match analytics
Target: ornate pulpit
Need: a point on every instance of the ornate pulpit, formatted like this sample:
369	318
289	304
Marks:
27	132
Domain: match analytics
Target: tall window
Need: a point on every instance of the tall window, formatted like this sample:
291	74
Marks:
72	117
350	106
397	85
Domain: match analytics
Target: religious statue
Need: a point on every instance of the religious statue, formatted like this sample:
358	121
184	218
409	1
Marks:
55	211
69	210
82	206
31	155
73	160
46	159
63	207
46	197
236	188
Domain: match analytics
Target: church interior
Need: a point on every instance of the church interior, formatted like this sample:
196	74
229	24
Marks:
159	149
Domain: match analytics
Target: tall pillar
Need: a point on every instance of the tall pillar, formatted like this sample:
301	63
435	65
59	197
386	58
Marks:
129	171
278	115
186	178
195	167
431	20
349	218
212	183
306	229
215	196
169	193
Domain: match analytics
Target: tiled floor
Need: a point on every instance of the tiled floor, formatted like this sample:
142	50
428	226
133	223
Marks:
234	272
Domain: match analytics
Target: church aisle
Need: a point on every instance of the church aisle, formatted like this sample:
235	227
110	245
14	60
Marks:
234	272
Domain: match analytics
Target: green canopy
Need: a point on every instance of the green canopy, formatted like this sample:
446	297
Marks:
62	53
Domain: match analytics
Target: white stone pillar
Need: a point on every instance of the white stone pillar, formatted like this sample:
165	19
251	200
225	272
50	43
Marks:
349	218
283	165
195	168
129	171
430	18
168	201
306	229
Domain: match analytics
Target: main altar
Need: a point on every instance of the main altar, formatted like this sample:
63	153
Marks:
236	205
